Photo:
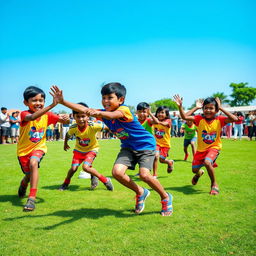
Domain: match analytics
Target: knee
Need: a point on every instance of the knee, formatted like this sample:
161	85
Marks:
145	177
33	163
86	168
117	173
161	160
195	170
207	163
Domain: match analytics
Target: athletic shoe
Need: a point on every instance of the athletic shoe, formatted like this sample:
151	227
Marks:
94	182
30	205
214	191
196	177
170	167
167	208
63	187
140	201
22	191
109	185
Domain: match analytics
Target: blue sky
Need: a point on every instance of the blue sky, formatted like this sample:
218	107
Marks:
155	48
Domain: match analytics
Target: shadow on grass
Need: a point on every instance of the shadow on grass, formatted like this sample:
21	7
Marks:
16	201
188	189
76	215
75	188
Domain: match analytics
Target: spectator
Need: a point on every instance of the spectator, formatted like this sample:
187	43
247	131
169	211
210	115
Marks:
174	130
15	127
5	125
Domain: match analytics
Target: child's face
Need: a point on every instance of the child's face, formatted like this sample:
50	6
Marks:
35	103
189	123
209	111
161	115
81	119
110	102
142	114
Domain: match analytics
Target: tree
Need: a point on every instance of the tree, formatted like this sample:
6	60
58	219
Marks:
223	98
163	102
242	94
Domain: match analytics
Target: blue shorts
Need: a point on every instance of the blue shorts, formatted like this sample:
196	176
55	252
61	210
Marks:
188	141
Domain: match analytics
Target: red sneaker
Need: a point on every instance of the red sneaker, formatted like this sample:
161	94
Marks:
186	157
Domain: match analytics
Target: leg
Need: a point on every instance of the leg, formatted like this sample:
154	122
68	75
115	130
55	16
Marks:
186	153
170	163
155	165
198	174
210	170
119	174
67	180
193	146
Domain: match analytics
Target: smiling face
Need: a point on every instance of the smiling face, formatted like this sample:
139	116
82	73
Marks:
161	115
81	119
110	102
142	114
209	111
35	103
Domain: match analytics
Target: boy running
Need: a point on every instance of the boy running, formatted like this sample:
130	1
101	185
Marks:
32	143
86	149
137	145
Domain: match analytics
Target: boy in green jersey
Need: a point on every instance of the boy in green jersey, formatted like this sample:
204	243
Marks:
190	137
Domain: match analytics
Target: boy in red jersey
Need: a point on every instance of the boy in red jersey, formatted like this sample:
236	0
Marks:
31	146
209	143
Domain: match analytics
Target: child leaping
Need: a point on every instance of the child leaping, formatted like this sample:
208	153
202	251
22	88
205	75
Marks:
209	131
162	132
32	143
137	145
86	149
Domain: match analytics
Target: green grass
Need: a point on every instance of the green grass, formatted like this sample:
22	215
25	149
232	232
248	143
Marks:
100	222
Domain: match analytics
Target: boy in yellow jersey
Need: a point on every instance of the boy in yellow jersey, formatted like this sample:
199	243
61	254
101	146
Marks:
209	127
32	144
86	149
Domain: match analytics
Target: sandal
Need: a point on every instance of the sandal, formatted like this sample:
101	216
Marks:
30	205
170	167
196	177
214	191
167	208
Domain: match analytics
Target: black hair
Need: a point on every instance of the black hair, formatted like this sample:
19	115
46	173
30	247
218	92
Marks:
142	106
3	108
118	89
166	109
13	113
211	100
80	103
239	113
32	91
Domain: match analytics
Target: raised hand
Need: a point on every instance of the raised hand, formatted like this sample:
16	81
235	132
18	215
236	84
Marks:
56	94
199	103
178	100
218	102
66	146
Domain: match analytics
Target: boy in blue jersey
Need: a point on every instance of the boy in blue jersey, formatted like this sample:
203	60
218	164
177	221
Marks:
137	145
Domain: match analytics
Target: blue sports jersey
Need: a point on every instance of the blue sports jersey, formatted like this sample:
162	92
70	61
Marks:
129	130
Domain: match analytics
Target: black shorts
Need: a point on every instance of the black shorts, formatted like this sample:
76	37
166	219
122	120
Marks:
130	158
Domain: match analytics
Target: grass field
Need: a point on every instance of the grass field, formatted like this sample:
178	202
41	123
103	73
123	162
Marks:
100	222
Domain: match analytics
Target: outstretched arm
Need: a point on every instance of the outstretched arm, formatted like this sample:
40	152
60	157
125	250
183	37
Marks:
58	95
231	118
199	105
179	100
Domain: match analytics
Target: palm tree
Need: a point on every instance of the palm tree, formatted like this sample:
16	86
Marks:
223	98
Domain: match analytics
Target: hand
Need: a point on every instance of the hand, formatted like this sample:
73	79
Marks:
65	119
178	100
57	95
218	102
199	103
66	146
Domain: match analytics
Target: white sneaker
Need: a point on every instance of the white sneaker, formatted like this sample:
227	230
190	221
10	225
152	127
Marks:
84	175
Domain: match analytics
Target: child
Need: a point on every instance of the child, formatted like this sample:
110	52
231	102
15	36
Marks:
209	131
137	145
86	149
189	130
31	146
162	132
143	113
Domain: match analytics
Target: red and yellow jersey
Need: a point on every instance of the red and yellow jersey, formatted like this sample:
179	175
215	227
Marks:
209	132
86	139
162	134
33	133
